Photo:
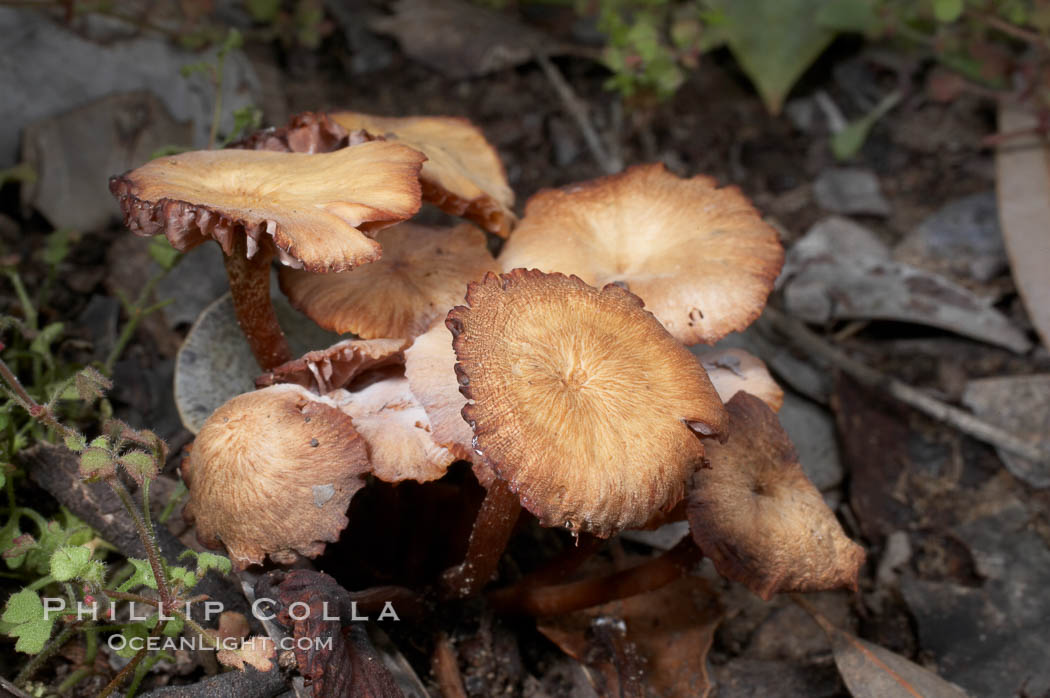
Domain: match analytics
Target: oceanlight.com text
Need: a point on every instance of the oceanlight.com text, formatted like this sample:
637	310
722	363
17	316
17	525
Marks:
118	642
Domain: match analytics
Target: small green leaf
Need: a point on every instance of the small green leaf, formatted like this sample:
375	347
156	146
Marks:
165	151
143	576
857	16
22	172
947	10
69	562
16	545
57	247
92	385
25	612
182	575
100	442
848	142
135	635
94	573
96	462
210	561
139	465
75	442
3	478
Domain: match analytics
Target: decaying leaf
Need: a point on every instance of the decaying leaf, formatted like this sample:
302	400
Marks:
1023	187
864	288
255	651
350	665
669	630
871	671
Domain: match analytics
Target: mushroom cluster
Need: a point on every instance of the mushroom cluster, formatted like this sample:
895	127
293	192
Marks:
560	370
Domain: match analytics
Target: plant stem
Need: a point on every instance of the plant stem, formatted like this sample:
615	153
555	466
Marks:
130	668
28	309
173	501
45	654
148	541
128	596
136	313
74	678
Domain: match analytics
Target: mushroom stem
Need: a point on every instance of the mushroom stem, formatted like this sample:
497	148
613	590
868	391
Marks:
557	569
250	288
566	598
488	539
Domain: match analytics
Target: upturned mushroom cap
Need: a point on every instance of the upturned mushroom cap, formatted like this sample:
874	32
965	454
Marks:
463	174
424	272
272	472
430	365
319	209
328	369
580	399
700	257
735	370
758	517
397	431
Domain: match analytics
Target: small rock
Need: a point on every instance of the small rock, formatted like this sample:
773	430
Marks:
1020	404
966	234
850	190
812	430
74	155
895	555
791	633
564	140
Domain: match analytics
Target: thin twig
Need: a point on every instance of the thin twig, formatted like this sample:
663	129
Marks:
578	111
942	412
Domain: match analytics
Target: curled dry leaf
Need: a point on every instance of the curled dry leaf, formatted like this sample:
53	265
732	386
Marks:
700	257
397	431
335	367
320	210
424	272
347	664
735	370
580	399
272	473
462	175
871	671
671	630
1023	189
255	651
758	517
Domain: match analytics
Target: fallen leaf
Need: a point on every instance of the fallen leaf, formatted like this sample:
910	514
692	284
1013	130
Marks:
670	629
871	671
871	289
255	651
1023	188
1020	404
774	41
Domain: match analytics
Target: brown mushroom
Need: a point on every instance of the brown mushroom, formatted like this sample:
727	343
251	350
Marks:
759	518
424	272
327	369
463	174
272	473
735	370
700	257
314	211
586	409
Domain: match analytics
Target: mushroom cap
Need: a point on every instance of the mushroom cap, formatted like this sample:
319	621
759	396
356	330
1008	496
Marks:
760	519
328	369
430	367
580	399
319	209
734	370
397	431
463	174
272	472
700	257
308	132
424	272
